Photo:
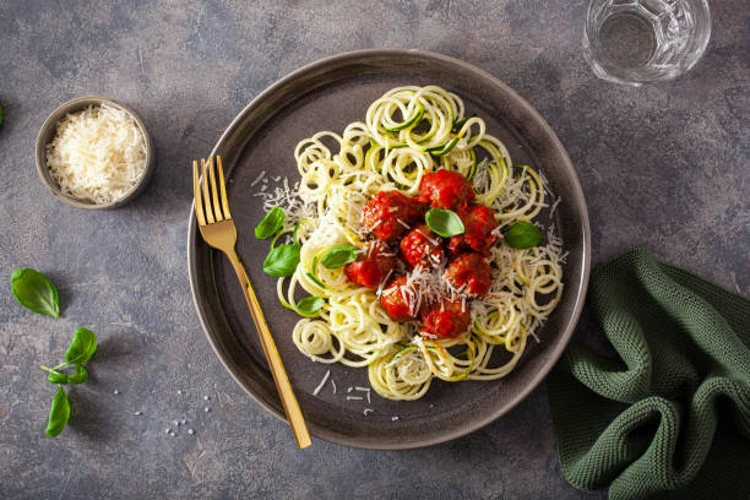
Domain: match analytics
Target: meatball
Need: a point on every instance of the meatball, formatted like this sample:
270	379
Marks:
421	246
397	300
373	266
445	318
470	273
389	214
479	224
446	189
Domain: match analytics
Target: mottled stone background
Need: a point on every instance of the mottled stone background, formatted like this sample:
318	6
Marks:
663	167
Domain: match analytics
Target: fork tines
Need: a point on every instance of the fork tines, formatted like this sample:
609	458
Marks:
211	203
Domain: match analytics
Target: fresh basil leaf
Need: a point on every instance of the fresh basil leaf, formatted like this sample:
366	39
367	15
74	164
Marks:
445	223
57	378
523	234
310	305
82	347
339	256
59	413
80	376
270	224
282	260
35	292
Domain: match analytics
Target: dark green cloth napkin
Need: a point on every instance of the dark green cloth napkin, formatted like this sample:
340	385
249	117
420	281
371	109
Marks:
668	415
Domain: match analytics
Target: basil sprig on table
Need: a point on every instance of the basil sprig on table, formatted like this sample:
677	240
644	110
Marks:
59	413
523	234
443	222
81	349
35	292
339	256
80	376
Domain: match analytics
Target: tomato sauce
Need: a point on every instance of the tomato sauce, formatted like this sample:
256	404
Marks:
402	243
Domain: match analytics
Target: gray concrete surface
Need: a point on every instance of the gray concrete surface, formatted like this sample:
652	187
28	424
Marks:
663	167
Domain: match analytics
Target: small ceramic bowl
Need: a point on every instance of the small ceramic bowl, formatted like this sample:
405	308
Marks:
48	132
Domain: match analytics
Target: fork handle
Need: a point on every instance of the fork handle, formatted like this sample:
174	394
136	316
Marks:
283	386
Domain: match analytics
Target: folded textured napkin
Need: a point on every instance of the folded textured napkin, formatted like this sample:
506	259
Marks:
668	415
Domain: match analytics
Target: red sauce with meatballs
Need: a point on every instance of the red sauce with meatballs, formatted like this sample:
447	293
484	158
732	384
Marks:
404	250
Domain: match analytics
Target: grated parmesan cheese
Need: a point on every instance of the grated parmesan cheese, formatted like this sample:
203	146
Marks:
98	154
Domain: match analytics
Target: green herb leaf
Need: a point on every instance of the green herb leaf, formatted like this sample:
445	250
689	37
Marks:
270	224
35	292
55	377
339	256
59	413
523	234
282	260
310	305
445	223
80	376
82	347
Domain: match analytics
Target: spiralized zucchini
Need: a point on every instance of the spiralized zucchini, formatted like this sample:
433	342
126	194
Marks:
408	132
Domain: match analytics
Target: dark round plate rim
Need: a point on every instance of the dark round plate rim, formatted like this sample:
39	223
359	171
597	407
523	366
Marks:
226	141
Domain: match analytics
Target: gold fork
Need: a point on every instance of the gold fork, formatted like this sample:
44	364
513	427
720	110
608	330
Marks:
218	230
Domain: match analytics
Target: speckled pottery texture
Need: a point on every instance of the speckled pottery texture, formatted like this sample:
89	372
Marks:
48	131
327	95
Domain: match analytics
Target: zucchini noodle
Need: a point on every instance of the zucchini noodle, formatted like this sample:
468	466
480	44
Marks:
407	133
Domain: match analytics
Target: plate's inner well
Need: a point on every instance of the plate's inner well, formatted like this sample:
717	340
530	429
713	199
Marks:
343	410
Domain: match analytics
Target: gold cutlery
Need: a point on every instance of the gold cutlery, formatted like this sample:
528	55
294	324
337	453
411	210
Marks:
219	231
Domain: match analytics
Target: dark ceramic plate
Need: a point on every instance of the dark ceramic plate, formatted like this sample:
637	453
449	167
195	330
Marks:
328	95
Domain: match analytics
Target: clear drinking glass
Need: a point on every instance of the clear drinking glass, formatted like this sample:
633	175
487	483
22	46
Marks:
640	41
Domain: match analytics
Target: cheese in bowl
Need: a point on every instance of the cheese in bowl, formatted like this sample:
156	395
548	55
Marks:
94	153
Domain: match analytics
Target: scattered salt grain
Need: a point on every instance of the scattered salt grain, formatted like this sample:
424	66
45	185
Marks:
138	413
206	398
115	392
207	409
191	431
